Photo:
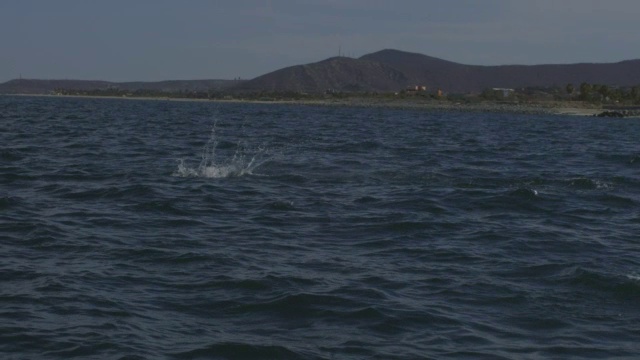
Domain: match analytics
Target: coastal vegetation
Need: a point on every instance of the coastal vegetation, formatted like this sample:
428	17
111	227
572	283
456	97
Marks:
598	94
588	94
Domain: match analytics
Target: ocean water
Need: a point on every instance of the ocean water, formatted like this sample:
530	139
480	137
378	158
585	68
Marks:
134	229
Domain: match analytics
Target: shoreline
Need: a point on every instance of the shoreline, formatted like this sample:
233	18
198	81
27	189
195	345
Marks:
542	108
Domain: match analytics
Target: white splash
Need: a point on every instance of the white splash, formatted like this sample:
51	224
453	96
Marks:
243	161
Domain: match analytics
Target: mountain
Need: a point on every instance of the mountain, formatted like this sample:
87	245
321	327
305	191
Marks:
333	74
382	71
35	86
393	70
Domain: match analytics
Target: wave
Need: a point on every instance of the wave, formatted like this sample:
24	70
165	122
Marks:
105	192
634	277
613	285
236	350
214	170
10	155
583	183
8	201
524	193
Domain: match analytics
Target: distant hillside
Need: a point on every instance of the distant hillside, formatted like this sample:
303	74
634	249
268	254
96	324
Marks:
333	74
34	86
180	85
382	71
454	77
393	70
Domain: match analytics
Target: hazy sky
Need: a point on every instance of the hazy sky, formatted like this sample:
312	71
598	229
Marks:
122	40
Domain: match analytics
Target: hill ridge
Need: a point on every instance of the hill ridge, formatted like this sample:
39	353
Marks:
411	69
386	70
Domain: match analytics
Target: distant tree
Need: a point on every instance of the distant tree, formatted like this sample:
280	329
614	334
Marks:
570	89
489	94
635	93
617	94
585	91
604	91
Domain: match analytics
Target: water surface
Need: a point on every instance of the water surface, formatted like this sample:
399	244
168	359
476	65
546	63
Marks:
185	230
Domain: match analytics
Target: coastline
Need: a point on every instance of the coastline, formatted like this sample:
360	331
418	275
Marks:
543	108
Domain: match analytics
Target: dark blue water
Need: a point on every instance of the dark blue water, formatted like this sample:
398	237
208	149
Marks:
194	230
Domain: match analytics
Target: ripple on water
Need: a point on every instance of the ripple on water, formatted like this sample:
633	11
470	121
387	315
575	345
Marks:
149	229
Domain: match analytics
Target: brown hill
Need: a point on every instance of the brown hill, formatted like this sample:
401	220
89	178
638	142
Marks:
393	70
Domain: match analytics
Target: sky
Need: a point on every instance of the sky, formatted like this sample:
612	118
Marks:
151	40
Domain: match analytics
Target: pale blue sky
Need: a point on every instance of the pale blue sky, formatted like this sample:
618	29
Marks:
121	40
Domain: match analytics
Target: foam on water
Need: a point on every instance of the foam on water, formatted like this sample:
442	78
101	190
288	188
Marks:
634	277
243	162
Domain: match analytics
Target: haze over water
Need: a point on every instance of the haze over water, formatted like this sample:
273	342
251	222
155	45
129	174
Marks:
158	229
